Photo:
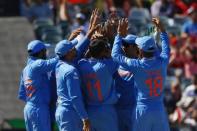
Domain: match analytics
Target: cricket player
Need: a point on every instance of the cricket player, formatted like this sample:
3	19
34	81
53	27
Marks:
100	95
35	87
149	76
124	83
70	113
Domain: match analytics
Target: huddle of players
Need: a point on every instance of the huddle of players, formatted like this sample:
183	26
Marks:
97	89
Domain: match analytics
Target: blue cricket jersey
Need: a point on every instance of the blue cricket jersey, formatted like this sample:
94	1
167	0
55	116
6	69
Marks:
34	84
68	82
97	80
149	74
68	88
124	84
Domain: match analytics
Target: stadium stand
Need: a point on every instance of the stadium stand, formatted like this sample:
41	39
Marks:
15	33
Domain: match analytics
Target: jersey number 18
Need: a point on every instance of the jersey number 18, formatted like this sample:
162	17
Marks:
154	84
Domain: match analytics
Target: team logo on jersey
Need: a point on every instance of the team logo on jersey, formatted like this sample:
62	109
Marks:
29	88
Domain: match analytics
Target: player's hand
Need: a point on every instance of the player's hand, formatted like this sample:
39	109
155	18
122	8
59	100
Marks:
74	34
113	18
97	35
123	27
99	32
94	19
86	125
158	24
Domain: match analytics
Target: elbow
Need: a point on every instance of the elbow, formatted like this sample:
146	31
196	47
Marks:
114	55
22	98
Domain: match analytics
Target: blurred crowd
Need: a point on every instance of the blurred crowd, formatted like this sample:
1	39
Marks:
54	20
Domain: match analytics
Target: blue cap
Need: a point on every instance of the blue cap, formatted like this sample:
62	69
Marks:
64	46
130	39
146	43
36	46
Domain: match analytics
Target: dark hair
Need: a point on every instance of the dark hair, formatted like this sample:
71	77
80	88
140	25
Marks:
37	54
96	47
148	54
125	44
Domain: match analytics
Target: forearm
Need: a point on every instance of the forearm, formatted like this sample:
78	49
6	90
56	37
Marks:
80	108
82	46
117	51
165	45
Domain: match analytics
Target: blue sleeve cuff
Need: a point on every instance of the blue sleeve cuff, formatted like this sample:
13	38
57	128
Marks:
163	35
118	36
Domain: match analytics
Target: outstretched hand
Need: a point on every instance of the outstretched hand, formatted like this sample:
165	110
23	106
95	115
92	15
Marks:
123	27
94	19
158	24
100	32
74	34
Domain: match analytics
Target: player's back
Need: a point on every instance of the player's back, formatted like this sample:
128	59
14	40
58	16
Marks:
124	84
97	80
63	70
36	83
149	80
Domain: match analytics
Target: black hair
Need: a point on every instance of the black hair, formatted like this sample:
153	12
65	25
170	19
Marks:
34	54
96	47
37	54
147	54
125	44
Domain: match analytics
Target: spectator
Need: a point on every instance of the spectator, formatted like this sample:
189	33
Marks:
24	7
55	6
189	94
167	8
182	5
176	91
188	104
155	8
190	28
191	118
190	63
39	10
80	23
177	58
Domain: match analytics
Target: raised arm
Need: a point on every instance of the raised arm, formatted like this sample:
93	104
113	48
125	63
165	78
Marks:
44	66
117	54
83	45
165	51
